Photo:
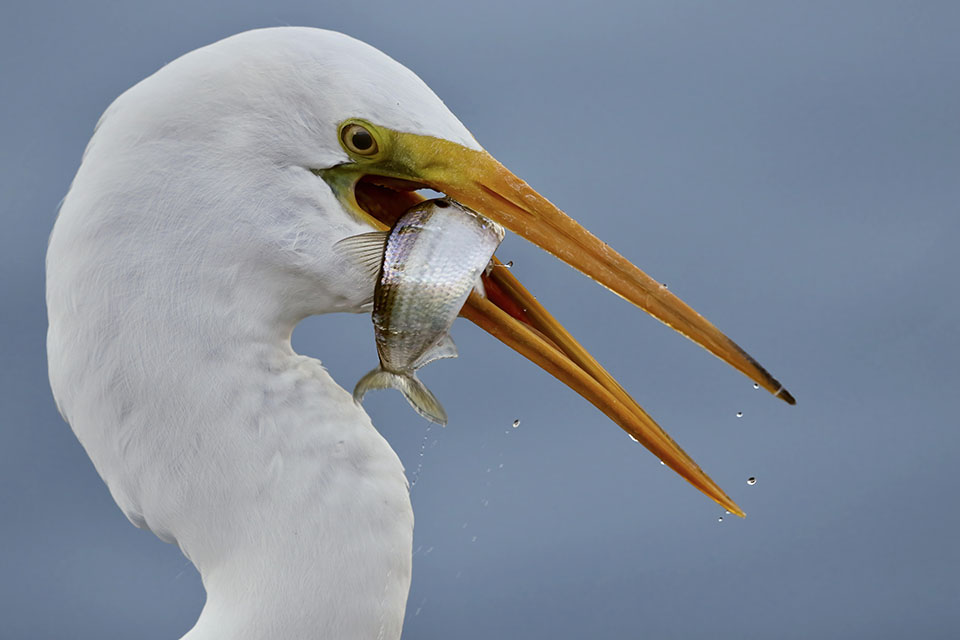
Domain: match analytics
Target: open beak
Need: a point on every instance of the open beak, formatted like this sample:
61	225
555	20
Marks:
511	314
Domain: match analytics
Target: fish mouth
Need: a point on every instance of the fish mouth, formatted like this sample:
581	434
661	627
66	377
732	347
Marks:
382	191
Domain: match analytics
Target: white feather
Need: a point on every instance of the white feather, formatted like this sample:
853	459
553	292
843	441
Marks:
192	241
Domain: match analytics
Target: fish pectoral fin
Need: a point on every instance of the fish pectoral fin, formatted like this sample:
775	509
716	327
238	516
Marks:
416	393
444	348
365	250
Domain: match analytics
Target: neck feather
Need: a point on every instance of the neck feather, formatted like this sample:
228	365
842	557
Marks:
211	432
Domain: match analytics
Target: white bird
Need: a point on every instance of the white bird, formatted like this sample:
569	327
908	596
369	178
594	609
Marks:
197	233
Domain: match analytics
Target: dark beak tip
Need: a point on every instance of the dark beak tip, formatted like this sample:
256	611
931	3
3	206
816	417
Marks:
785	395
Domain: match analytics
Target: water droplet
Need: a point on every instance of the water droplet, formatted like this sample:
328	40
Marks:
727	512
417	612
516	423
751	481
464	526
663	285
662	462
756	385
423	446
501	466
720	519
632	438
739	414
474	539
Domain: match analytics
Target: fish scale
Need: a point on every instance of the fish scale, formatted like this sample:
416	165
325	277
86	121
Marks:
432	259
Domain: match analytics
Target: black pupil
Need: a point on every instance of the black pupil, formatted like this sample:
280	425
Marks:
361	139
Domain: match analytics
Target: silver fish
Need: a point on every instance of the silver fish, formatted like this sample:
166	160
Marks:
425	268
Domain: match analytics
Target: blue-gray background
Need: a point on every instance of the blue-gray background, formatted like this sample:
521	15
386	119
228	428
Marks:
792	170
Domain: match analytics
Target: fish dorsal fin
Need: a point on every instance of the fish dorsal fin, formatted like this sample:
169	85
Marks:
479	288
365	250
445	348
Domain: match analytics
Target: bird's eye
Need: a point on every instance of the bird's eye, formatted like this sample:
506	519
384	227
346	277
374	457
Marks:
358	139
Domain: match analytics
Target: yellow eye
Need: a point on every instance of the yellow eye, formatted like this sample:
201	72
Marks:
358	139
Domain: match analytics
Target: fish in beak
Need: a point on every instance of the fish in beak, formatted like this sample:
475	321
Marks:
380	185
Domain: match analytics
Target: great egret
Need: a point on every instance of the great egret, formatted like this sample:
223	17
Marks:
198	232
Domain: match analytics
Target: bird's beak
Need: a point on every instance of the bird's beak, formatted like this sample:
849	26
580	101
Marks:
513	315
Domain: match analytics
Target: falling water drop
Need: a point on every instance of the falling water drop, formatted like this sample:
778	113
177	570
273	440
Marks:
423	446
720	519
739	414
756	385
751	481
516	423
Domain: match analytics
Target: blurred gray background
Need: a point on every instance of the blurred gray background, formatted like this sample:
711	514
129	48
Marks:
789	169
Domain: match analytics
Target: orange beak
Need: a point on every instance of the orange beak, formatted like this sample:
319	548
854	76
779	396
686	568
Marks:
512	315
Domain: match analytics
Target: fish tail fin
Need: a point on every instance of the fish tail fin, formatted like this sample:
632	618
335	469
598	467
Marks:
416	393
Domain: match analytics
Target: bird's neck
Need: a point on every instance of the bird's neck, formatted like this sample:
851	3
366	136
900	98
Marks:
211	432
303	527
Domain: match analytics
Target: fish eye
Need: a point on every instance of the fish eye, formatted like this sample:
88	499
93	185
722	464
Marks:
358	139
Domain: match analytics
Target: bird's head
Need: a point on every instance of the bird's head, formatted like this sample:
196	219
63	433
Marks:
333	137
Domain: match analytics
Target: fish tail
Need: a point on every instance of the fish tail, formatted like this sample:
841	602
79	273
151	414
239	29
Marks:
416	393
